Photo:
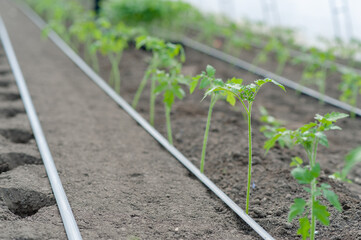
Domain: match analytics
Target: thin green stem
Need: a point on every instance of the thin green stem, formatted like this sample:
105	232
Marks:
152	101
249	155
313	190
142	84
115	75
213	101
169	127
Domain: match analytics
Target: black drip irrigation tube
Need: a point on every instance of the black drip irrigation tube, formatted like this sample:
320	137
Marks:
70	225
142	122
224	57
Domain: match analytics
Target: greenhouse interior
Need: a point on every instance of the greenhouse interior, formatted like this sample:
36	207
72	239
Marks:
180	119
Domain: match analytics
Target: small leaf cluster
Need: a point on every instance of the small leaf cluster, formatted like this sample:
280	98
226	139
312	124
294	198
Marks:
271	127
234	89
166	55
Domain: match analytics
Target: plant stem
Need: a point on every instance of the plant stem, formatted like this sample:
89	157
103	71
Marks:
313	191
213	101
115	75
249	154
141	87
152	101
169	128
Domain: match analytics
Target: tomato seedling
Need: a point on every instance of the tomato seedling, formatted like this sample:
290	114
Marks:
246	95
86	31
271	128
316	70
350	88
111	42
207	81
309	137
169	83
276	46
351	159
166	56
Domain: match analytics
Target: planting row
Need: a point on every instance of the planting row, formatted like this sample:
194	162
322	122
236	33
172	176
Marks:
20	197
98	37
273	49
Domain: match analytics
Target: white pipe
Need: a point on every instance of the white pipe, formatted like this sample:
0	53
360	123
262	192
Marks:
70	225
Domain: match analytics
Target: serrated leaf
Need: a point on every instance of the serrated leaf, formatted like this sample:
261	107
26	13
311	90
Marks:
297	208
321	213
211	71
322	138
334	116
231	99
271	142
204	83
332	198
302	175
304	229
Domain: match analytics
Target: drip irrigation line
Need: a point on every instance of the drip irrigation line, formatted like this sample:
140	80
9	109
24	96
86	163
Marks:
266	74
143	123
66	213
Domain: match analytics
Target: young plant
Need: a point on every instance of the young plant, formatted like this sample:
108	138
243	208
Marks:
271	128
246	95
86	31
170	85
111	42
282	54
350	88
166	56
316	69
351	159
207	81
309	137
234	41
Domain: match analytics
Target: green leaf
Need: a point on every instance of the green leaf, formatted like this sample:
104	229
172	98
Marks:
302	175
332	198
211	71
271	142
304	229
193	85
315	171
296	209
296	161
279	85
334	116
352	158
168	98
322	138
204	83
231	99
321	213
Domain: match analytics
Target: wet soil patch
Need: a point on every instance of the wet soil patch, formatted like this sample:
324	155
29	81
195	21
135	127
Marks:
9	96
9	161
17	135
10	112
24	202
